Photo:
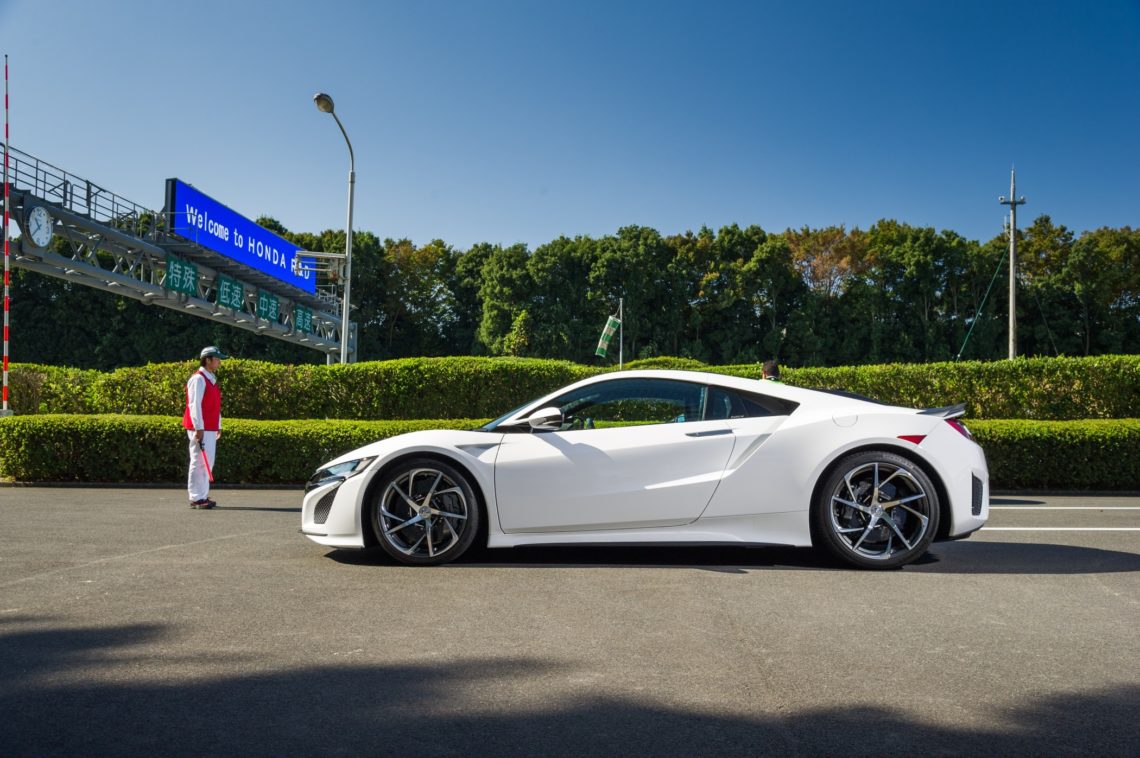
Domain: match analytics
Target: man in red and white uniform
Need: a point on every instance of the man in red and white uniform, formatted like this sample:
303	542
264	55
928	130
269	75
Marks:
203	423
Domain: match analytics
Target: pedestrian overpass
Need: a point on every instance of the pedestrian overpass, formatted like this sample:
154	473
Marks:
113	244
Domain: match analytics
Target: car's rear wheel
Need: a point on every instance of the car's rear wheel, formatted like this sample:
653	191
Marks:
425	512
877	510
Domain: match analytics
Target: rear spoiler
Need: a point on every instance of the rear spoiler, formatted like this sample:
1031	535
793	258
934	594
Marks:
949	411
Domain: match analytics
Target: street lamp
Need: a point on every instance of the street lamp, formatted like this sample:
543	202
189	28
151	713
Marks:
325	105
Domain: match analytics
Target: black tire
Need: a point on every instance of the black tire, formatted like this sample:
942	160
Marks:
425	512
876	510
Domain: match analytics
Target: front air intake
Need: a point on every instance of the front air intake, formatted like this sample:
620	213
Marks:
324	505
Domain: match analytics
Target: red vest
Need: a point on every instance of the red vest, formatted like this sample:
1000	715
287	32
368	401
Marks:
211	407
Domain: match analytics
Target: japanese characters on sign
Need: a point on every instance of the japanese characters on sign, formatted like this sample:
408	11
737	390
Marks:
230	292
268	306
302	319
181	276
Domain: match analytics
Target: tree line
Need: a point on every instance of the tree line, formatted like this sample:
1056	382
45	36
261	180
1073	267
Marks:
810	297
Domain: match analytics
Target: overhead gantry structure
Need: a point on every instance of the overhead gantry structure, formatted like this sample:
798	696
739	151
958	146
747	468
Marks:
110	243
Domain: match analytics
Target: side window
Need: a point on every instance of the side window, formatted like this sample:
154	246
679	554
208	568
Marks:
727	404
721	404
631	402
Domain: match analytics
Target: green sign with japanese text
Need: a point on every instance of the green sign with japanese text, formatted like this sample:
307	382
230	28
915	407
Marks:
302	319
268	306
230	293
181	276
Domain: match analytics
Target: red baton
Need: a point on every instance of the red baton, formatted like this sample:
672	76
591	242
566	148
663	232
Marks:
205	460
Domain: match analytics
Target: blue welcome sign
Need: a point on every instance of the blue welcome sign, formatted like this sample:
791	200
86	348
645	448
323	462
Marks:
203	220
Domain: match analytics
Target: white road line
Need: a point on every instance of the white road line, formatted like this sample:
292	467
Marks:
110	558
1061	529
1064	508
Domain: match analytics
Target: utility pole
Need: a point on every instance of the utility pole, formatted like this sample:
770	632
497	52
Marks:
1012	203
6	411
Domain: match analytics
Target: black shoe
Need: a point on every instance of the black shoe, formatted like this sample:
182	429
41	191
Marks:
202	505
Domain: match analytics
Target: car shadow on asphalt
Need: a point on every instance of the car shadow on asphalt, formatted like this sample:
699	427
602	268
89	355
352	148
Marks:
943	558
733	559
71	692
1023	558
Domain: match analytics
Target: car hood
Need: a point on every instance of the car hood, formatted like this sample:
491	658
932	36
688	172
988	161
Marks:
428	440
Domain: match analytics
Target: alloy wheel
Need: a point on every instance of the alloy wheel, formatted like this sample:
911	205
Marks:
425	514
881	511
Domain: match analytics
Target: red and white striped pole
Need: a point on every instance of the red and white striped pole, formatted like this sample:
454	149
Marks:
7	270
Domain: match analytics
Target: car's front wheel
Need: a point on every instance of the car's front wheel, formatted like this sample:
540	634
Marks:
425	512
877	510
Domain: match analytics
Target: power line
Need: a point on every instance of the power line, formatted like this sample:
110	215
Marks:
978	314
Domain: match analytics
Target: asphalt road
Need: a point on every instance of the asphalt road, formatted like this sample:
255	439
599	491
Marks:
130	625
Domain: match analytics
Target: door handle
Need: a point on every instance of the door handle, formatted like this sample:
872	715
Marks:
709	433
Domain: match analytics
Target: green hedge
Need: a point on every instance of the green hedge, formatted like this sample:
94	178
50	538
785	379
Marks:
1066	455
411	388
34	388
1036	388
1104	387
150	449
417	388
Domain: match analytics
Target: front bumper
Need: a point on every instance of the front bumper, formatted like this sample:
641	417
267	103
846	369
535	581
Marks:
331	514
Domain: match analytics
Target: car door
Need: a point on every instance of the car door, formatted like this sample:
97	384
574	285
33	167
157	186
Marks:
632	453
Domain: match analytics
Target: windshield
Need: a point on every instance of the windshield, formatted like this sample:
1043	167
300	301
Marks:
491	425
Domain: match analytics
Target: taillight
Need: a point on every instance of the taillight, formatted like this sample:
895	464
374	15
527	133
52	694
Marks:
960	428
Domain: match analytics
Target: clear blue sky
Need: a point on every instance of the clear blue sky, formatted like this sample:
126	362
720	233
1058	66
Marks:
522	121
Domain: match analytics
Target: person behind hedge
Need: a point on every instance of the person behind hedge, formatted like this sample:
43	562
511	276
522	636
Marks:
202	420
770	369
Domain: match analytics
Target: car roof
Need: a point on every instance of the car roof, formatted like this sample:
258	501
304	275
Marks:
744	384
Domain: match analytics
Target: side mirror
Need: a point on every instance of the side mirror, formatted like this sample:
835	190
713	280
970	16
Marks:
546	419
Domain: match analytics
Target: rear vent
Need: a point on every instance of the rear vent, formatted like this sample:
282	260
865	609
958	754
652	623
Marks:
976	504
321	512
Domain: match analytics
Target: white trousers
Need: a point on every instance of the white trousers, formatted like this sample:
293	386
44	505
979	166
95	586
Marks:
198	481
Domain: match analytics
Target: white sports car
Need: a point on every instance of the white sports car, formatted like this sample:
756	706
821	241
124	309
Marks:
668	457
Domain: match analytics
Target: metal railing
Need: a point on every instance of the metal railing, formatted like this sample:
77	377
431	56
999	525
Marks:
81	196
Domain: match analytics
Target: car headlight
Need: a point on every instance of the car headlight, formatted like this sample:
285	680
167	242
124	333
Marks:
338	472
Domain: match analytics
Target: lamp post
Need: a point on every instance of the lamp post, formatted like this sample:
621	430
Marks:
325	105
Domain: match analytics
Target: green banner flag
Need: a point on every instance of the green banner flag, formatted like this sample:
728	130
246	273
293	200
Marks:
612	324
